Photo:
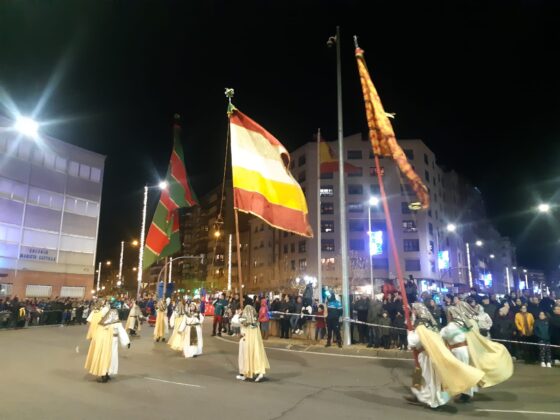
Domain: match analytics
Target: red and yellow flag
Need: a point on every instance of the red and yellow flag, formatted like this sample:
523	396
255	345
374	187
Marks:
329	162
381	132
262	182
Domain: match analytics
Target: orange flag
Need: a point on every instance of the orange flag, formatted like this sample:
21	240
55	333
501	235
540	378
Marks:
381	133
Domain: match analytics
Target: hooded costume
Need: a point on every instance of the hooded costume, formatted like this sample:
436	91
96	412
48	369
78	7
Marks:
103	355
490	357
133	324
252	357
98	311
443	375
177	338
191	328
161	328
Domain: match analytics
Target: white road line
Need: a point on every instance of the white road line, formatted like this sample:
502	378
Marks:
355	356
545	413
171	382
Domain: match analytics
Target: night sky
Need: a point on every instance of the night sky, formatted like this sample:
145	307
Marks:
477	81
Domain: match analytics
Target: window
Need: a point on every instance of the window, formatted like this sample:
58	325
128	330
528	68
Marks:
427	176
72	292
327	226
404	208
284	234
355	189
13	190
303	264
356	171
37	157
426	161
261	245
5	288
292	248
380	263
355	208
437	215
409	226
327	175
84	171
327	245
430	212
353	154
301	160
433	266
430	228
431	246
301	246
73	168
262	227
9	233
45	198
33	290
356	225
412	265
327	191
49	160
407	191
327	208
409	154
285	249
293	265
60	164
373	171
95	174
411	245
356	245
24	150
375	190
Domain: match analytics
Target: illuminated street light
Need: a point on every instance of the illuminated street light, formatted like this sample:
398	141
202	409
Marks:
108	263
134	243
134	269
514	268
163	185
93	292
544	208
103	288
524	270
374	201
119	283
27	127
479	243
451	227
217	234
492	256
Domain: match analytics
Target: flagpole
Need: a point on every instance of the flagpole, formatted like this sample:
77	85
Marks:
164	277
342	197
229	264
142	235
319	262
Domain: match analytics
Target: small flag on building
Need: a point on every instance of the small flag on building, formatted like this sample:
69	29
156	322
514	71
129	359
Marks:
329	162
163	237
262	183
382	136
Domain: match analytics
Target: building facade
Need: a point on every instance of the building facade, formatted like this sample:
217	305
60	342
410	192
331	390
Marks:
50	198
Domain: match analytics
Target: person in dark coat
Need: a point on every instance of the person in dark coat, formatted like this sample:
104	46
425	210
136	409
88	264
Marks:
375	312
503	327
554	325
286	308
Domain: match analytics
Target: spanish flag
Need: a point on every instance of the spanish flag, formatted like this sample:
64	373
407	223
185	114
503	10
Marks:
329	162
381	133
262	182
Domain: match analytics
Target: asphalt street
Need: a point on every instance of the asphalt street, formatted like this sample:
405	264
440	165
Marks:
43	378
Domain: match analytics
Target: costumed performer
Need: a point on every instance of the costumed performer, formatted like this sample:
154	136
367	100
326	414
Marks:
443	376
191	328
161	327
98	311
177	338
103	355
252	356
134	320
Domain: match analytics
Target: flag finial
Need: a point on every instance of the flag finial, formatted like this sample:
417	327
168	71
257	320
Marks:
356	41
229	94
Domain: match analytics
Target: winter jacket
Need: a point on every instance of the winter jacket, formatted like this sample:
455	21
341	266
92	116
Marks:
554	326
375	311
525	328
334	309
503	327
386	322
542	331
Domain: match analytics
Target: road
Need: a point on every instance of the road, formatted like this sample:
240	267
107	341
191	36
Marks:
43	378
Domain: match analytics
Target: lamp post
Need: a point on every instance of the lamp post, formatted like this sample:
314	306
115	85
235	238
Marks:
373	201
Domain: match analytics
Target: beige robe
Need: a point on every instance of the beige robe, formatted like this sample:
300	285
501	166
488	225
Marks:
252	356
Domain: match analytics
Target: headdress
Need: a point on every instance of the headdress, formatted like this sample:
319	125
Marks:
249	317
456	315
424	316
161	305
111	317
180	309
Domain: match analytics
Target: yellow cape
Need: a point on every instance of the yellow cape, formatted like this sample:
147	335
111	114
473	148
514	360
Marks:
159	329
254	357
456	377
95	318
177	339
490	357
100	351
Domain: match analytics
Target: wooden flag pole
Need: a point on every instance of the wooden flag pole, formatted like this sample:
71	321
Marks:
319	262
240	278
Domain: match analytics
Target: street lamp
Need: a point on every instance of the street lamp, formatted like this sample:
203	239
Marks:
108	263
27	126
163	185
492	256
134	243
373	202
451	227
479	243
544	208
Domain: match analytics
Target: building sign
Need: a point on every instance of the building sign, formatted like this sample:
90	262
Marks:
443	260
376	242
37	254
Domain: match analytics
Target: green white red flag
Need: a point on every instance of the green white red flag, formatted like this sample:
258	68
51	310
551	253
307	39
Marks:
163	237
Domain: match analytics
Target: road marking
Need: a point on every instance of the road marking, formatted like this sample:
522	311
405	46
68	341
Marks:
355	356
545	413
171	382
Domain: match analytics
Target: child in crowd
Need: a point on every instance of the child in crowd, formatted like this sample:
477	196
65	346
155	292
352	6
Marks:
320	326
542	333
235	324
385	331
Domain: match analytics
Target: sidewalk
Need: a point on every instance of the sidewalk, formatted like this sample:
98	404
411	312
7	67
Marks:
303	344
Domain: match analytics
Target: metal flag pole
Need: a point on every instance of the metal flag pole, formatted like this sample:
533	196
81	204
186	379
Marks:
319	262
121	262
342	195
142	235
229	264
98	277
